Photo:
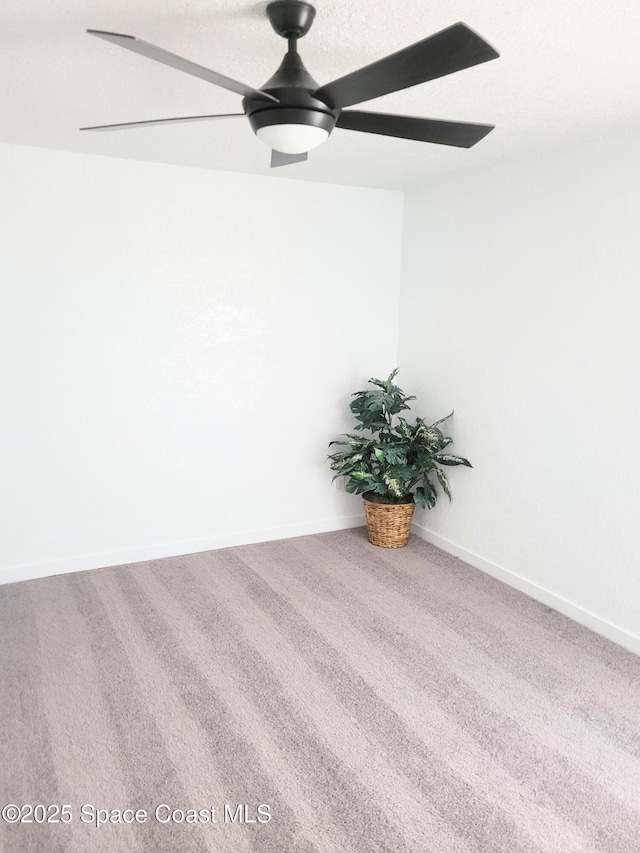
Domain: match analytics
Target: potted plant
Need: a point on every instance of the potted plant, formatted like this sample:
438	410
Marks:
396	464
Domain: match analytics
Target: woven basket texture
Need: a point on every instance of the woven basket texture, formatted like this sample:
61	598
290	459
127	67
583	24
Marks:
388	525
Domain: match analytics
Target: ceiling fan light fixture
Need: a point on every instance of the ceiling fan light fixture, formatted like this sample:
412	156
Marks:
292	138
291	130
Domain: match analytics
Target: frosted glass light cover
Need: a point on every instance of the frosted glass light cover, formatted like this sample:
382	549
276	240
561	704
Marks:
292	138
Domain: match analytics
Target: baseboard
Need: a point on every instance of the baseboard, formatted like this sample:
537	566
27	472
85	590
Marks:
545	596
30	571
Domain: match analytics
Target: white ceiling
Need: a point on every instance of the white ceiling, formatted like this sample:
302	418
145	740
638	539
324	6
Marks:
569	70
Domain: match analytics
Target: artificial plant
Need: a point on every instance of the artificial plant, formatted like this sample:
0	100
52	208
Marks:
396	461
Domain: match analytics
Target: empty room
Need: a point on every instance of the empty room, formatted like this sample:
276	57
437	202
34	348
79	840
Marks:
320	411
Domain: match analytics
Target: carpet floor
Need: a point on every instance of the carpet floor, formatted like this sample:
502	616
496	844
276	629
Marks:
311	695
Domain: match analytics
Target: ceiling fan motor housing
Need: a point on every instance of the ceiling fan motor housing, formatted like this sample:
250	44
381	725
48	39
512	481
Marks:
291	84
296	106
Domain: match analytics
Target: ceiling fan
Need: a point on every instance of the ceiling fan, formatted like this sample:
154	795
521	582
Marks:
292	114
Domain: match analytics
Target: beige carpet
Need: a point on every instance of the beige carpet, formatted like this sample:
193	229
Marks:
350	699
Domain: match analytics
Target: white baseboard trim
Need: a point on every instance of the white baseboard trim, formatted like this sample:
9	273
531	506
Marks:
545	596
30	571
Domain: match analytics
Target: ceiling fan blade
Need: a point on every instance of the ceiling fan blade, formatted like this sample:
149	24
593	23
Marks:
154	121
280	159
162	55
456	133
448	51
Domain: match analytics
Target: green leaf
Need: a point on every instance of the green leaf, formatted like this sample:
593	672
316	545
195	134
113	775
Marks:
379	488
375	401
448	459
424	461
379	382
390	379
395	454
358	486
387	383
442	420
420	497
401	472
358	440
442	479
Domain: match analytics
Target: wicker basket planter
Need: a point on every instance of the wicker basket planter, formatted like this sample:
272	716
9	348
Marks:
388	525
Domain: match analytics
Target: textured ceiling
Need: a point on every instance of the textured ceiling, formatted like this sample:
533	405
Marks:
568	71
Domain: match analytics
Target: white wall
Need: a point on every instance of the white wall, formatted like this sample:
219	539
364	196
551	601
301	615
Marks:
520	308
177	347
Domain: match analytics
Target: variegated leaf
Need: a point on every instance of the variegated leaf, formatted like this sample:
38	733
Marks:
442	479
442	420
432	495
449	459
404	429
394	485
